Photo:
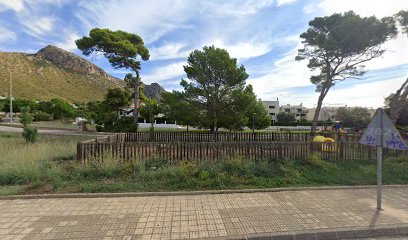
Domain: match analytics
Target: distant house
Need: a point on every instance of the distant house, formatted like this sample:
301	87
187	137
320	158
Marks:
273	108
299	111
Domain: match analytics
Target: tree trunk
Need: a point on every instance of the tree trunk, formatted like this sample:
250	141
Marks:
397	102
136	102
317	112
151	127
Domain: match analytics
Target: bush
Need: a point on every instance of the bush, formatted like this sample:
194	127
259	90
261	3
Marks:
237	166
42	116
124	124
25	116
30	134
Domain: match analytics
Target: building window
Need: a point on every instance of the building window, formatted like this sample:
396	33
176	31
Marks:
299	110
287	110
271	107
272	114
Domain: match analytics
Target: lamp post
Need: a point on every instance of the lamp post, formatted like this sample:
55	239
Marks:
11	97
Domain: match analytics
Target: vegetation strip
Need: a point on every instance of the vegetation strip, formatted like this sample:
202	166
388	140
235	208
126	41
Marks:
186	193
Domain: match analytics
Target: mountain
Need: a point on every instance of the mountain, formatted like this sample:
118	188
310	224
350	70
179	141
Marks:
153	90
53	73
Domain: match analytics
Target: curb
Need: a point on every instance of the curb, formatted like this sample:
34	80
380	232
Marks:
329	234
185	193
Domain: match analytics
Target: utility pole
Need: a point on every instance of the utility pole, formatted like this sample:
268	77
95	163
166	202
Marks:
11	96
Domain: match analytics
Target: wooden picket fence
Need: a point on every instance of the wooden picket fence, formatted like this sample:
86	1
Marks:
228	137
184	151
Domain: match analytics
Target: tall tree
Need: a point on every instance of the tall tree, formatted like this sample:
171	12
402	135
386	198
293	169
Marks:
122	49
107	112
261	117
150	110
398	101
285	118
357	117
176	107
215	78
337	46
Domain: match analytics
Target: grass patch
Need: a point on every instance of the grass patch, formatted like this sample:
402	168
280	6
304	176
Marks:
49	166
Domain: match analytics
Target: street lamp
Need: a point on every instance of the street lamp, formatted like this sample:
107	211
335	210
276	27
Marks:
10	95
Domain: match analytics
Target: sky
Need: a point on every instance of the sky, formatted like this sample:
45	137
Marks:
262	34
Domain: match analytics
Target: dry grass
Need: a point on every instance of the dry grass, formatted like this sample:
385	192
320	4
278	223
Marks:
42	80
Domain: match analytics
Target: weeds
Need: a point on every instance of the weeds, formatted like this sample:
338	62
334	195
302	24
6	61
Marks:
47	163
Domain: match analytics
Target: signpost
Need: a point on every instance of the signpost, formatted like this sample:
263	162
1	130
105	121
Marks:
381	132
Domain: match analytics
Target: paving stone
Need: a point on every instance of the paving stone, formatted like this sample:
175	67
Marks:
311	214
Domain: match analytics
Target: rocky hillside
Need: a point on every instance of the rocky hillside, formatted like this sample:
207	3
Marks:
68	60
53	73
153	90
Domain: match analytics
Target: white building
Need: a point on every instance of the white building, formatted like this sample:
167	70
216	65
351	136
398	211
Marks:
272	107
299	111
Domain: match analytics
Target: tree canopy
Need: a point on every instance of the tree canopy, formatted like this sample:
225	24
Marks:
337	46
215	82
215	95
357	117
122	49
285	118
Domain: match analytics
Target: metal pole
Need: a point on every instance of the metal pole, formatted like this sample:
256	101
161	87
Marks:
11	97
253	123
379	176
379	162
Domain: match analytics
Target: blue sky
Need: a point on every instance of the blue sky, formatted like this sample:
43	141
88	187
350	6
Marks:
262	34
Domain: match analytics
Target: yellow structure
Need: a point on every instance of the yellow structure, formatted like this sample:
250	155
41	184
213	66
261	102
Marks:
329	147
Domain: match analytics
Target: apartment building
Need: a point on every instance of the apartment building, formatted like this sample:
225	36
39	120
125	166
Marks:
299	111
273	108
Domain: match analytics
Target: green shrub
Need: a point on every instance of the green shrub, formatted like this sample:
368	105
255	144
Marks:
42	116
204	175
30	134
155	163
25	117
188	169
316	161
237	166
267	169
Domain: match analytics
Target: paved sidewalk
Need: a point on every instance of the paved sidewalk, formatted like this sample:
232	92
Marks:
202	216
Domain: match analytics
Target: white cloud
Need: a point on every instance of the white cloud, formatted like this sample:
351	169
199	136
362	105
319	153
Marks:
15	5
285	73
150	19
19	5
283	2
364	94
235	7
169	51
69	42
162	73
39	26
380	8
396	54
244	50
7	35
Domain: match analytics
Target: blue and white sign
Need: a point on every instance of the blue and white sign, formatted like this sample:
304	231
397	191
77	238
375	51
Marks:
381	132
